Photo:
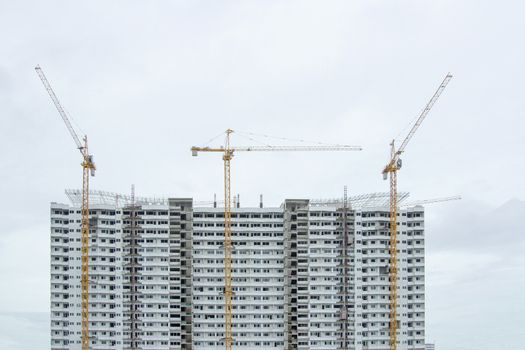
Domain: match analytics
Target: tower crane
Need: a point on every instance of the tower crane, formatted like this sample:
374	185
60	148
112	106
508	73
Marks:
227	154
391	169
88	168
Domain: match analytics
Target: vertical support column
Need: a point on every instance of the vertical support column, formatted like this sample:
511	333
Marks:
133	278
228	154
393	260
344	308
85	256
295	232
132	294
181	286
227	254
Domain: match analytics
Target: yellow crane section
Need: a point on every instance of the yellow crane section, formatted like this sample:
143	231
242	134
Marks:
88	167
391	168
227	154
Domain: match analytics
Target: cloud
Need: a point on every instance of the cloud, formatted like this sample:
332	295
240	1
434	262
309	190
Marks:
475	275
24	331
470	226
474	300
24	263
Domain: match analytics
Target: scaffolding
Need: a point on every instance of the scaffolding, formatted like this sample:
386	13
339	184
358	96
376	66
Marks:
369	200
114	199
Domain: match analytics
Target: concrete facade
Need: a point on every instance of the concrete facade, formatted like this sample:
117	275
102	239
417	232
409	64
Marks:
156	277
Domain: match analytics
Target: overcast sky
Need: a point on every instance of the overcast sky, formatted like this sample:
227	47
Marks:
146	80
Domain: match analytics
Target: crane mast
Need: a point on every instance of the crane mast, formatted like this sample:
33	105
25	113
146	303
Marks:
391	169
228	293
88	168
228	152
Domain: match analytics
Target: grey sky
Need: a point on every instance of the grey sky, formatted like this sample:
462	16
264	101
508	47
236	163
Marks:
147	80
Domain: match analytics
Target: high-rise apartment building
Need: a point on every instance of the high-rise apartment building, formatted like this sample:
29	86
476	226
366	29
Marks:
305	275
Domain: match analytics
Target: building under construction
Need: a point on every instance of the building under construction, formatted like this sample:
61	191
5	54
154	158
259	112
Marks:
309	274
